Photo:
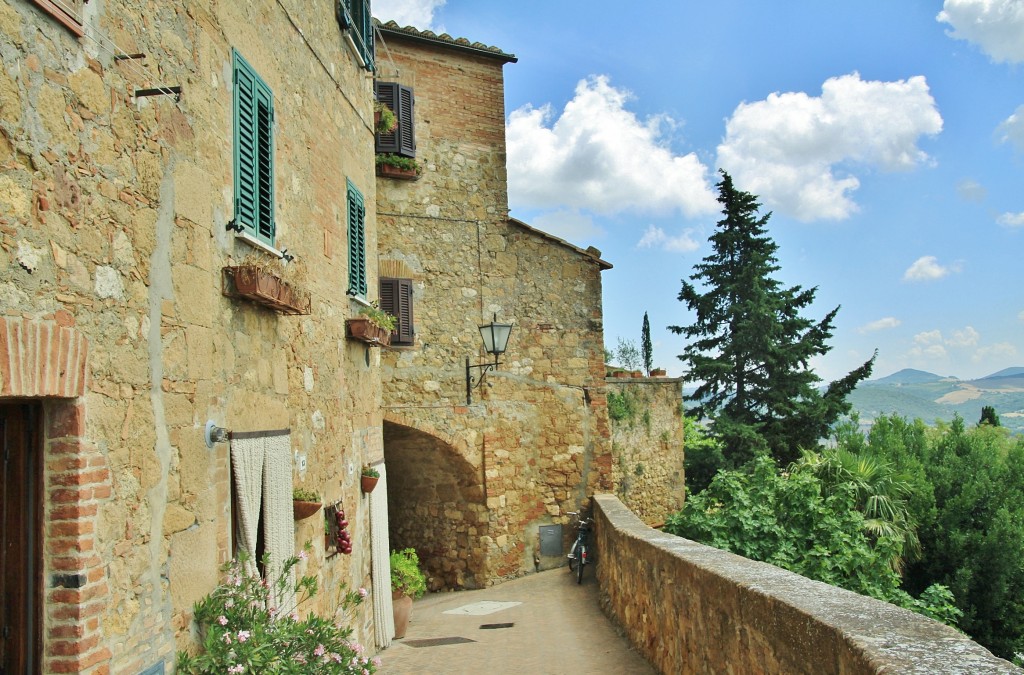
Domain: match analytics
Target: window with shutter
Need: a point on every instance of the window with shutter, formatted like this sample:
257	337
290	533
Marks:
253	152
68	12
402	102
354	15
396	299
356	243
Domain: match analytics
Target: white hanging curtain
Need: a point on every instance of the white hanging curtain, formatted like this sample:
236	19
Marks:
247	467
383	612
262	467
278	520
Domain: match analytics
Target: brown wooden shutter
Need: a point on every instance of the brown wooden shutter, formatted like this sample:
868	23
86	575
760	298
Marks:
396	299
402	102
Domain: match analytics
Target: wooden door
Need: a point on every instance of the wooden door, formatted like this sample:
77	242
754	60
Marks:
20	508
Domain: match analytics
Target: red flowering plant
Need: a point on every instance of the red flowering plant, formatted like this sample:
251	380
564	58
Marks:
242	632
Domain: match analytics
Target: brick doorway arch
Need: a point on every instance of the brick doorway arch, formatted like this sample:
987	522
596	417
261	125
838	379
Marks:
437	505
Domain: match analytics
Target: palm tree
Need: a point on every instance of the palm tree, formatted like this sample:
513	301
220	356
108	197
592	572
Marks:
879	491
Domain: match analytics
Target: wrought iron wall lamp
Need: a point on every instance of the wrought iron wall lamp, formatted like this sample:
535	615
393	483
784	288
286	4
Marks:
495	336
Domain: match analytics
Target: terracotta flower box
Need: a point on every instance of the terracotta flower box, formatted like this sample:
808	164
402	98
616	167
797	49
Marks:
658	372
389	171
264	288
302	510
364	330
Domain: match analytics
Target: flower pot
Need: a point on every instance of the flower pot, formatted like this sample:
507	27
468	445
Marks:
620	374
637	373
367	483
389	171
264	288
302	510
364	330
658	372
402	604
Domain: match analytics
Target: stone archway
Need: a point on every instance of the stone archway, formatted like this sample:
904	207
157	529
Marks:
436	504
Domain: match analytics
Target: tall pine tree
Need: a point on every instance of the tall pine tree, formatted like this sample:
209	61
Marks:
749	349
645	346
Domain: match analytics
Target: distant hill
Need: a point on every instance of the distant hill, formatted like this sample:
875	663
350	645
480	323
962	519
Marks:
908	376
918	394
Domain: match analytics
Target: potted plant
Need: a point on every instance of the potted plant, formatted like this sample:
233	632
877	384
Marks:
258	279
305	503
407	583
368	479
391	165
658	372
373	325
384	120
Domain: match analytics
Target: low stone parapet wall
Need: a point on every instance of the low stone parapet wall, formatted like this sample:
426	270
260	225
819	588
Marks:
691	608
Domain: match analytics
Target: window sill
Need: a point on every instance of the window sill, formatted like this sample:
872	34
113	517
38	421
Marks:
256	243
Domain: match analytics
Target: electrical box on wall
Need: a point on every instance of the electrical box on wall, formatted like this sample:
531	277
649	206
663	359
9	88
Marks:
551	540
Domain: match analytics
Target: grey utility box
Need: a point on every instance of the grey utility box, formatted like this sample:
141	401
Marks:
551	540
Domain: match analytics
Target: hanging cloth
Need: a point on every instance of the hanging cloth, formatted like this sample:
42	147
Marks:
380	555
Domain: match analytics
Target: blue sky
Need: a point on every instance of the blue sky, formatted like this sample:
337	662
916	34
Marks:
887	139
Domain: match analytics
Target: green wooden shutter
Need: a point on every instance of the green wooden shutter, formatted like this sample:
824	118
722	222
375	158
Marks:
401	101
396	299
356	243
361	21
253	151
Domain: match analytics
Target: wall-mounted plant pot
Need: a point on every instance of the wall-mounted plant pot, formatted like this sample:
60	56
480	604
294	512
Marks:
264	288
368	483
302	510
389	171
364	330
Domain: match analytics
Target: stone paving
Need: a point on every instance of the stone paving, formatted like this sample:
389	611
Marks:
542	623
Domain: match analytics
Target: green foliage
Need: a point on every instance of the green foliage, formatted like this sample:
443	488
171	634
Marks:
627	355
370	472
388	122
406	575
989	416
703	456
791	520
398	161
305	495
621	406
646	349
378	316
750	348
242	632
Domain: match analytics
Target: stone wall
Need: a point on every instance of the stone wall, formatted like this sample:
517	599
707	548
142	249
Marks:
647	444
112	223
535	443
691	608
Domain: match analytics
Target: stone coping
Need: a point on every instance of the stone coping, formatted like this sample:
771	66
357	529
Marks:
713	610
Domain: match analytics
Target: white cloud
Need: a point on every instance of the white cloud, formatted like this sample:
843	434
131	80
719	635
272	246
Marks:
655	237
996	26
928	337
881	324
1011	130
570	225
971	191
1000	350
968	337
599	156
927	268
796	151
931	352
1011	219
416	13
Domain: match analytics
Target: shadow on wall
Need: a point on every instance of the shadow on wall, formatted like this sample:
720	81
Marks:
436	505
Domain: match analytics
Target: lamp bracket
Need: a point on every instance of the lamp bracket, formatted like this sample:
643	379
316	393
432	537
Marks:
473	382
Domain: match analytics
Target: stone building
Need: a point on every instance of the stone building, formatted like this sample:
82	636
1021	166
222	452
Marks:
473	477
144	147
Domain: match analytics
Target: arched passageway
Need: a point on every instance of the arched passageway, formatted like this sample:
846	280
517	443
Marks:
436	504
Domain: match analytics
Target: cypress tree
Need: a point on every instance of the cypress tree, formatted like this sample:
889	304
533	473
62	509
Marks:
645	346
749	348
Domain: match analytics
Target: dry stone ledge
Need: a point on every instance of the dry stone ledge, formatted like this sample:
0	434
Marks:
691	608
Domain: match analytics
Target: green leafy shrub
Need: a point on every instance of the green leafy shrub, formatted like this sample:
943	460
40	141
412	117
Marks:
242	632
621	406
406	575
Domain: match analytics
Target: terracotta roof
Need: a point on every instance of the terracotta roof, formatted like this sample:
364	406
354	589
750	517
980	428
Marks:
392	28
590	252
